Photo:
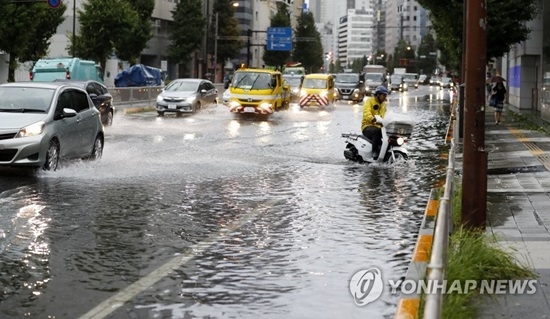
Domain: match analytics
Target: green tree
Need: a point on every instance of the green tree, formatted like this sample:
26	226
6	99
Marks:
229	43
505	26
308	49
280	19
427	55
39	23
187	32
129	46
102	23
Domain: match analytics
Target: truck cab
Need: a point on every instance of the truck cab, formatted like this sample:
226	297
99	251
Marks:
258	91
49	70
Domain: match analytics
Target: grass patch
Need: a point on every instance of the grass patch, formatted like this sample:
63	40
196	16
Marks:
474	255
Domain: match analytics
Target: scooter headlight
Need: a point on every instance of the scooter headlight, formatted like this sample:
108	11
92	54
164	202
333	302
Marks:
400	141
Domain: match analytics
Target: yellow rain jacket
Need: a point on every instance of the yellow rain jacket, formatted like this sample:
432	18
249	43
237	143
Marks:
370	110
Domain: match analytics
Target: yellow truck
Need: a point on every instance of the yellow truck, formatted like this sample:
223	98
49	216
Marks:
258	91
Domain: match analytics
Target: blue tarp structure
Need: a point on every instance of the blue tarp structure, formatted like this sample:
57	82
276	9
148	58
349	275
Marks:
139	75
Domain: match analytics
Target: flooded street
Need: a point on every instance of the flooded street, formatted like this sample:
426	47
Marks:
217	216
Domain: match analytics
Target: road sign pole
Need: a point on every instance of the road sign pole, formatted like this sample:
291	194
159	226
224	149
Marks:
248	45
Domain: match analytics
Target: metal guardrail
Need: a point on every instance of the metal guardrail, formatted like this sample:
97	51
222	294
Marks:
127	97
433	306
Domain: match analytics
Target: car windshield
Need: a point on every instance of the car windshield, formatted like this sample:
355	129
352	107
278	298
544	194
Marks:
25	99
407	76
396	79
182	86
293	82
347	78
373	76
310	83
252	80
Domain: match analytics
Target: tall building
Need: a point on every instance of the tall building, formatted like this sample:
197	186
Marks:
355	32
379	36
407	20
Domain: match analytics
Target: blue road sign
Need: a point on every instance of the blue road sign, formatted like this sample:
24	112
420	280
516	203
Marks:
54	3
279	39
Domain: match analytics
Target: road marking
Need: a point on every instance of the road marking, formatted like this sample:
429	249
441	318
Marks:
108	306
541	155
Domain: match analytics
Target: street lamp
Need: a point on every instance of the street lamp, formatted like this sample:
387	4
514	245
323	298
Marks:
216	51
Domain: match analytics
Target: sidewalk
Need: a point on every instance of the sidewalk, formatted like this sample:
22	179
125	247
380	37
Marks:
518	212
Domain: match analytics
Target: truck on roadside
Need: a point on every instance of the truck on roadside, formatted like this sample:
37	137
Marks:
65	68
258	91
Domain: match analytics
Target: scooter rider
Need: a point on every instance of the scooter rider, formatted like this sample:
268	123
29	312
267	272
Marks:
375	105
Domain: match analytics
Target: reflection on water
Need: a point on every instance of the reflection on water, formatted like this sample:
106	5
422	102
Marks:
73	238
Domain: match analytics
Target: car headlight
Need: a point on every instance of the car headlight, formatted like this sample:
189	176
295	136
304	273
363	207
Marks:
32	130
295	90
323	94
265	106
191	98
234	104
159	98
303	92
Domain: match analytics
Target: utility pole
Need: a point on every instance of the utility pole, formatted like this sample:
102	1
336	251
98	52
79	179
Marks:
248	45
474	172
216	52
74	28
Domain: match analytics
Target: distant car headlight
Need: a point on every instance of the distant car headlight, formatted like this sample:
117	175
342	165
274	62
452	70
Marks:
191	98
159	98
295	90
32	130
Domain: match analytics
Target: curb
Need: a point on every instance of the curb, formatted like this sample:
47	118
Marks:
408	306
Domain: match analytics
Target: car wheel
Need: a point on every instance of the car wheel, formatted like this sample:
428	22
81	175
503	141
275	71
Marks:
97	150
52	156
109	119
160	113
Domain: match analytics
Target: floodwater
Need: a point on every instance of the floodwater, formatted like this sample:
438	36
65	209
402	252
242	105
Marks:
216	216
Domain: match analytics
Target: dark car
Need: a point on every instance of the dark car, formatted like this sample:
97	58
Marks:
397	83
350	86
100	96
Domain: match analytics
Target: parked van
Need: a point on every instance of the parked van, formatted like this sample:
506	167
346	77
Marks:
48	70
317	90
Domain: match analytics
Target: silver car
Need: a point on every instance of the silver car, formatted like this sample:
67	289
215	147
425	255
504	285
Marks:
186	96
42	123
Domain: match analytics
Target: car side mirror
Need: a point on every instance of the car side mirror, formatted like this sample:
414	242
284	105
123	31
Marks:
93	96
273	83
66	113
203	91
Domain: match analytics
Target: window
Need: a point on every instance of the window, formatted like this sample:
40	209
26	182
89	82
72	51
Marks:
80	101
63	102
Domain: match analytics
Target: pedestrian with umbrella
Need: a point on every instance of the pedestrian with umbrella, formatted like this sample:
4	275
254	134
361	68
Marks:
498	96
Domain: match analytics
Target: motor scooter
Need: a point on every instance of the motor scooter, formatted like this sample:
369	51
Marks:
395	134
